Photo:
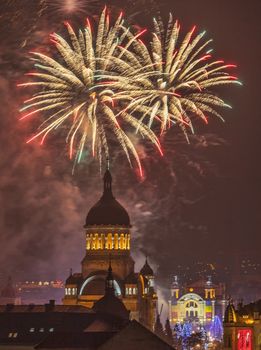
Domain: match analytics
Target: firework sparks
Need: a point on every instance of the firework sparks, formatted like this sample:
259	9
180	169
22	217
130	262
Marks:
78	91
72	8
179	79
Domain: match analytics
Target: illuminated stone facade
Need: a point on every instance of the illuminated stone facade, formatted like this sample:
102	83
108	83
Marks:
199	302
108	238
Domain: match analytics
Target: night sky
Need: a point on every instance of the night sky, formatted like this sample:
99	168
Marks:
200	203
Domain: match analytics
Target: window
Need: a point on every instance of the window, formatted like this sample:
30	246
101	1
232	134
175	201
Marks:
134	291
41	330
12	335
130	291
31	330
126	291
51	329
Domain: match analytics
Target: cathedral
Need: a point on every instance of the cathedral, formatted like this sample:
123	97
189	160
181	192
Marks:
108	243
197	302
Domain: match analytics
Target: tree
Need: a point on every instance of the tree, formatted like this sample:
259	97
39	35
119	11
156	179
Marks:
168	332
158	329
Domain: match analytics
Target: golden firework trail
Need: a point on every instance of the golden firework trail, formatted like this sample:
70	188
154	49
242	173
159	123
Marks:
77	91
178	80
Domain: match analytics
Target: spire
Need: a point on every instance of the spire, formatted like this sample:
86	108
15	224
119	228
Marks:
107	179
109	286
209	281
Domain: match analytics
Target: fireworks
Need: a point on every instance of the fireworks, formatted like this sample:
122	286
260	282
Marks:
72	8
108	83
180	79
78	91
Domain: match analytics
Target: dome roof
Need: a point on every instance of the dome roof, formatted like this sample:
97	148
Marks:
230	314
107	211
146	269
109	304
75	278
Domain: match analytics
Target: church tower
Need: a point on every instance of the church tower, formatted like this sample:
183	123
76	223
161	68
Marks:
108	239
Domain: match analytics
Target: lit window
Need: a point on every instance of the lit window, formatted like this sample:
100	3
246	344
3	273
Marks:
41	330
10	335
146	290
14	335
134	291
51	329
126	291
31	330
130	291
69	291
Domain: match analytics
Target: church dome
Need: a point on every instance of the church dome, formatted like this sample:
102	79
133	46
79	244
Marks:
146	270
230	314
107	211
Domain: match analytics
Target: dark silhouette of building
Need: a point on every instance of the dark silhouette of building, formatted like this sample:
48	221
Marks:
106	326
108	237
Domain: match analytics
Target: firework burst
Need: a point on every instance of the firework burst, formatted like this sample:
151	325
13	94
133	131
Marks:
180	77
72	8
78	92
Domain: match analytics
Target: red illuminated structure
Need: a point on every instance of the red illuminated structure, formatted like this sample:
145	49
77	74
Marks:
244	339
242	327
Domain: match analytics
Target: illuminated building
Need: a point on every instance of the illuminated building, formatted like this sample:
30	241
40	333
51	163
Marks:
108	238
242	327
197	302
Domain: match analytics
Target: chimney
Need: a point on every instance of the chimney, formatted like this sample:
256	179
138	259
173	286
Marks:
50	307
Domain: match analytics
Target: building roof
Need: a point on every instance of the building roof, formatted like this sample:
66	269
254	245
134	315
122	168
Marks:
109	304
135	336
107	211
146	270
30	324
132	336
86	341
31	308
